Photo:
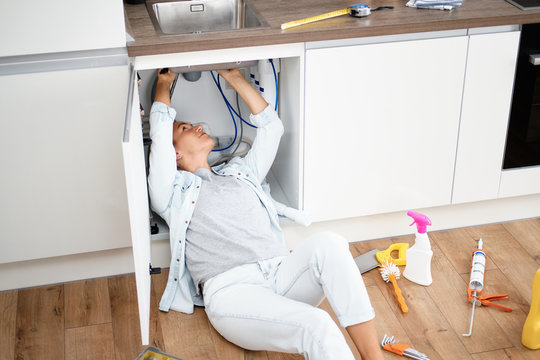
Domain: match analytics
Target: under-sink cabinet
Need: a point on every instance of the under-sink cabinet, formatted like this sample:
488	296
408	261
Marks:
192	102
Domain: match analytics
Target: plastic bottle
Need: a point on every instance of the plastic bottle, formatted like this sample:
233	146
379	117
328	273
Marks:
419	255
531	329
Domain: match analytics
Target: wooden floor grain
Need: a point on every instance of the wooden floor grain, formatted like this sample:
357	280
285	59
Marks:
98	319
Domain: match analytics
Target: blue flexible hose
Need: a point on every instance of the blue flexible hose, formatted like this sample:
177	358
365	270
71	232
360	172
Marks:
230	112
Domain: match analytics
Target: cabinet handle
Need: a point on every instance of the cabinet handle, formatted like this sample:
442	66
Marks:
534	59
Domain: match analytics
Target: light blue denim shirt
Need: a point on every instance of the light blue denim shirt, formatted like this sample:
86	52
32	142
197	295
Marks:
173	193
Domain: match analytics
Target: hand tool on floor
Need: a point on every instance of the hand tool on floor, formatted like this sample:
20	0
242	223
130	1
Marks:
383	256
367	261
475	291
390	272
390	344
357	10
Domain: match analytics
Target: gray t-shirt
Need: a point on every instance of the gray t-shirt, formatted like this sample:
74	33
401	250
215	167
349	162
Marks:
229	227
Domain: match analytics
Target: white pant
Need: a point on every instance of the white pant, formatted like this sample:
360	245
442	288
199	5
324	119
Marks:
271	304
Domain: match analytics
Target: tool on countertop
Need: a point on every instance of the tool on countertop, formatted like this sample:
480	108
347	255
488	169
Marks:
357	10
385	255
475	291
389	344
367	261
390	272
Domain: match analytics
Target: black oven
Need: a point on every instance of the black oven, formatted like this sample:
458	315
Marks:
523	138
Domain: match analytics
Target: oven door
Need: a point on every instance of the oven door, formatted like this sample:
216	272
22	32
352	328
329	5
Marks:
523	139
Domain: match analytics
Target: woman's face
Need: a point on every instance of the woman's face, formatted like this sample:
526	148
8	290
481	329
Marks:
191	140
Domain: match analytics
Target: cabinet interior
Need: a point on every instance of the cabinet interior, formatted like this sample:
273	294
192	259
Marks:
201	102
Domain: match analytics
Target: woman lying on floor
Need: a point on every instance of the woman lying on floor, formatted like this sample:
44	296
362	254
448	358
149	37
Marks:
228	252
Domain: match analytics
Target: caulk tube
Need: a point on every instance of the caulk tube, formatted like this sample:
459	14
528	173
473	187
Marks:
267	83
419	255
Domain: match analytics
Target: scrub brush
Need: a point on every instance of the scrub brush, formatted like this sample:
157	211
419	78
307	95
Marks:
390	272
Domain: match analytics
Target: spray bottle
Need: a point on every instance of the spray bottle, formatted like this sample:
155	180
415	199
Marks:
418	267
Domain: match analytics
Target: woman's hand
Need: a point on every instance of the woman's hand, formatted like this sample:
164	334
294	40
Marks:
163	86
230	74
253	99
167	78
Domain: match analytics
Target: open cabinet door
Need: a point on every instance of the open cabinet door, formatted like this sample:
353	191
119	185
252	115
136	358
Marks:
134	167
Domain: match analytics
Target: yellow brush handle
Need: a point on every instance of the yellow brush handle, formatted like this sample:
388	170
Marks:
308	20
400	298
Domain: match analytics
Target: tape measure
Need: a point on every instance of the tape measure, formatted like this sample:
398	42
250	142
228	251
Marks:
357	10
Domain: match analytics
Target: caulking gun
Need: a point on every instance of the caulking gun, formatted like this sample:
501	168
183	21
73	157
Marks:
475	292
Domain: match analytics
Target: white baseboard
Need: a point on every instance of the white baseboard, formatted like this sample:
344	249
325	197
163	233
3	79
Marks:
62	269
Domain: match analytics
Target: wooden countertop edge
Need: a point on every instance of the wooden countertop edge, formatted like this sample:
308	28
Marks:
135	49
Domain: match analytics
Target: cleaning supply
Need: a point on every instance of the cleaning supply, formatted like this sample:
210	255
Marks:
367	261
418	267
390	344
385	255
475	291
531	330
390	272
357	10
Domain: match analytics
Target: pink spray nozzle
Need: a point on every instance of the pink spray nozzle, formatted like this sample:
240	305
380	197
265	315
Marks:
421	221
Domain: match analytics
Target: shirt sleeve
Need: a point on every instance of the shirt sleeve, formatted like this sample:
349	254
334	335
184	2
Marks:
163	169
263	151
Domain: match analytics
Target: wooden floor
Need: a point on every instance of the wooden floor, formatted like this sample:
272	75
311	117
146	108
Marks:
98	319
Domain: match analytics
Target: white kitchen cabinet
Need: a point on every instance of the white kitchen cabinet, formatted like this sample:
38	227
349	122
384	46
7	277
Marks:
286	170
487	95
381	126
36	26
62	180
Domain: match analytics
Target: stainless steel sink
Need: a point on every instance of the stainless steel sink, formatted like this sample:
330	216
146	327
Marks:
185	17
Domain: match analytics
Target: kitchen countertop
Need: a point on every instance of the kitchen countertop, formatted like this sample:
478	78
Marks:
402	19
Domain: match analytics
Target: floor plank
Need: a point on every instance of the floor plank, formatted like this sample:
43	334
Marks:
385	320
527	233
40	323
255	355
509	256
8	324
510	323
449	291
282	356
492	355
185	335
428	329
125	318
90	343
87	303
458	245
